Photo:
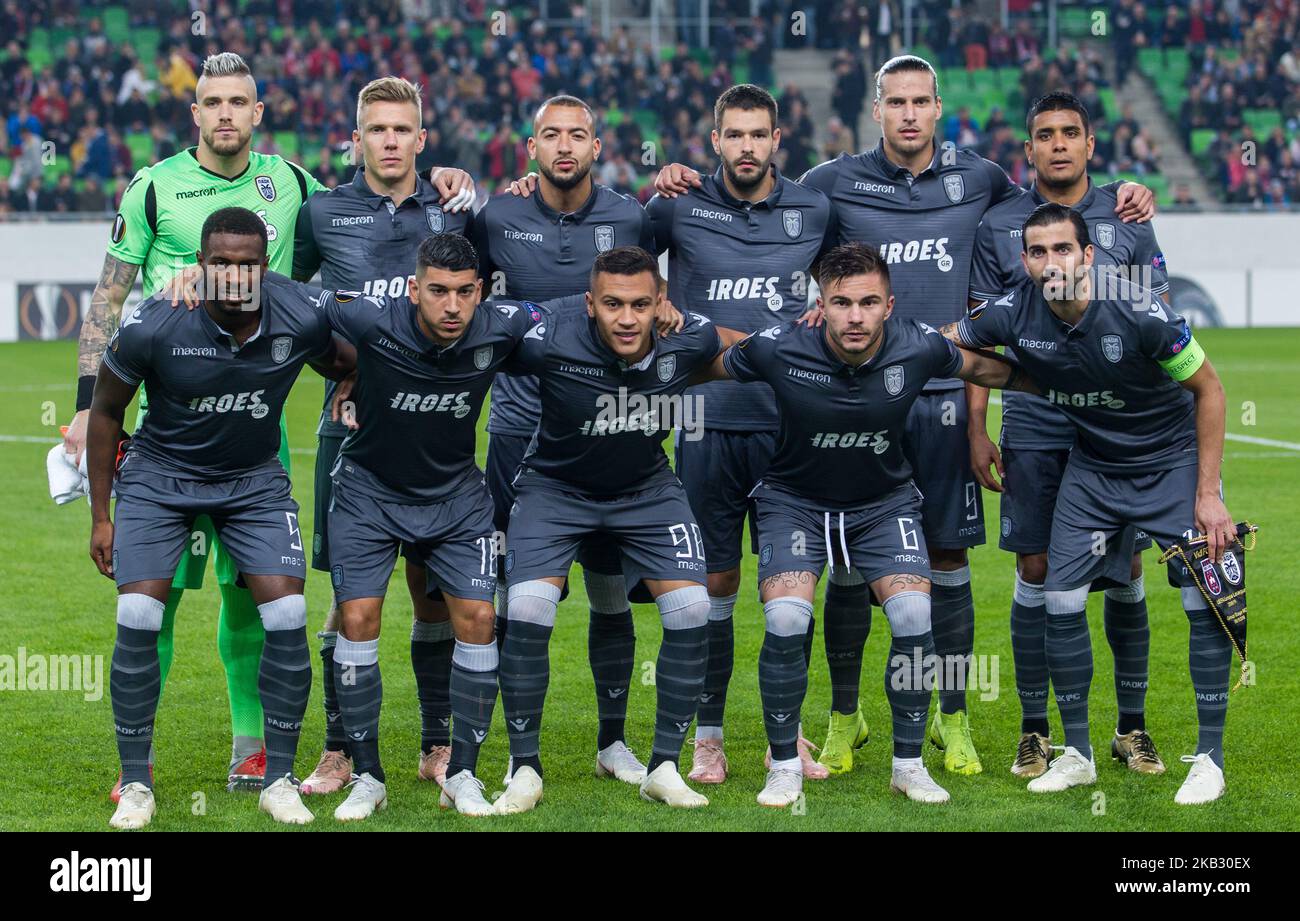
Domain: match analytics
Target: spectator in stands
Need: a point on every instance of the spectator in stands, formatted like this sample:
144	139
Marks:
850	92
31	196
1195	113
1173	31
21	120
839	139
1001	53
1025	43
1249	192
27	165
1123	23
974	41
91	198
64	196
1183	197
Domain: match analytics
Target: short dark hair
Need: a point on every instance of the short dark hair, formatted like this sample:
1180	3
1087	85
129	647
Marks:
901	64
1059	101
1052	213
625	260
449	251
746	97
239	221
849	259
565	100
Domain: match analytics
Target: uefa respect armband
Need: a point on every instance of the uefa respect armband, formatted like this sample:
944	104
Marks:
1222	584
1186	362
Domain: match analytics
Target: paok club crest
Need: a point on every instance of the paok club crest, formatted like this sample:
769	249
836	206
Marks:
483	357
894	380
665	367
433	214
1105	235
954	186
265	187
280	348
604	237
1113	348
792	221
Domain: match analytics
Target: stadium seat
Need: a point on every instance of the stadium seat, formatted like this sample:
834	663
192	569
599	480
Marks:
287	142
1202	138
140	143
117	24
1263	121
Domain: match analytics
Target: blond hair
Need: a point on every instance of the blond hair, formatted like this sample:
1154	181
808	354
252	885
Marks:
390	89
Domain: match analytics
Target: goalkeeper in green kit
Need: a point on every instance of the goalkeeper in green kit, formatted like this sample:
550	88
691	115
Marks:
157	227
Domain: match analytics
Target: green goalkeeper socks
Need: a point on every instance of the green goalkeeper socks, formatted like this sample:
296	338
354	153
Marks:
239	639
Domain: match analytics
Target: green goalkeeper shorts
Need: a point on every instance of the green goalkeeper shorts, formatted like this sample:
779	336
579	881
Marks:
203	536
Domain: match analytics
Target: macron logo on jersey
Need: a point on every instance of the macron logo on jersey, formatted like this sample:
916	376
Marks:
350	221
931	249
522	236
873	187
712	215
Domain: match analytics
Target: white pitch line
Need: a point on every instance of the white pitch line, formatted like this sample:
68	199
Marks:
1230	436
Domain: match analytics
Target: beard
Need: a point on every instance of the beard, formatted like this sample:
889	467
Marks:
745	184
1061	183
565	183
227	146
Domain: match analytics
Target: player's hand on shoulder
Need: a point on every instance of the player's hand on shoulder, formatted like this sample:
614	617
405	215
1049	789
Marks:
183	286
343	409
813	316
668	319
455	187
524	186
676	179
1135	202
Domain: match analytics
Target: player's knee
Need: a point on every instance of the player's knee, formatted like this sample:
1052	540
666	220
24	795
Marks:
1193	600
286	613
1135	571
1032	568
949	559
1074	601
606	594
534	602
140	612
724	584
908	613
1132	593
788	616
684	608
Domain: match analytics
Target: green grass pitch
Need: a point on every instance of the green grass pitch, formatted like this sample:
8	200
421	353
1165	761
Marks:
59	758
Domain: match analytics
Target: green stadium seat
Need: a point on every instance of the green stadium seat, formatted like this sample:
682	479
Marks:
614	117
287	142
1075	22
140	143
117	24
1263	121
1202	138
6	167
62	164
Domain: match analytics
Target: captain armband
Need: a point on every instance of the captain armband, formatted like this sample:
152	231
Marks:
1186	363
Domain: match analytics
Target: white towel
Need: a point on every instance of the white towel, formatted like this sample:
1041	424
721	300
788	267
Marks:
68	482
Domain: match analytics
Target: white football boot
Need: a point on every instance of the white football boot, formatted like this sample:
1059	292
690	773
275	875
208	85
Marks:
1071	769
619	762
280	800
1204	783
522	794
665	785
783	788
367	796
465	793
135	807
915	782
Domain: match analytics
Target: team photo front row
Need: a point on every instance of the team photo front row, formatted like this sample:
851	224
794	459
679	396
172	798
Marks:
612	370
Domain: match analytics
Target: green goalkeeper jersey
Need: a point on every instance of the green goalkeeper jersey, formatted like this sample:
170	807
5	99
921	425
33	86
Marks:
163	209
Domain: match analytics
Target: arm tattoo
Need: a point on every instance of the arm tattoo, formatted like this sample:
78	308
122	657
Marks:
786	580
104	313
949	332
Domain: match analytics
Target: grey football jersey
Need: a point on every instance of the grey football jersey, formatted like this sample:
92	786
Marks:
603	420
543	254
361	242
1113	376
1030	422
214	407
744	266
841	436
418	403
923	225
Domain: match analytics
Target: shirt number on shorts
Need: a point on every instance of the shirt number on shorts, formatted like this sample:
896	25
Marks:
907	528
295	535
972	504
488	549
688	538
